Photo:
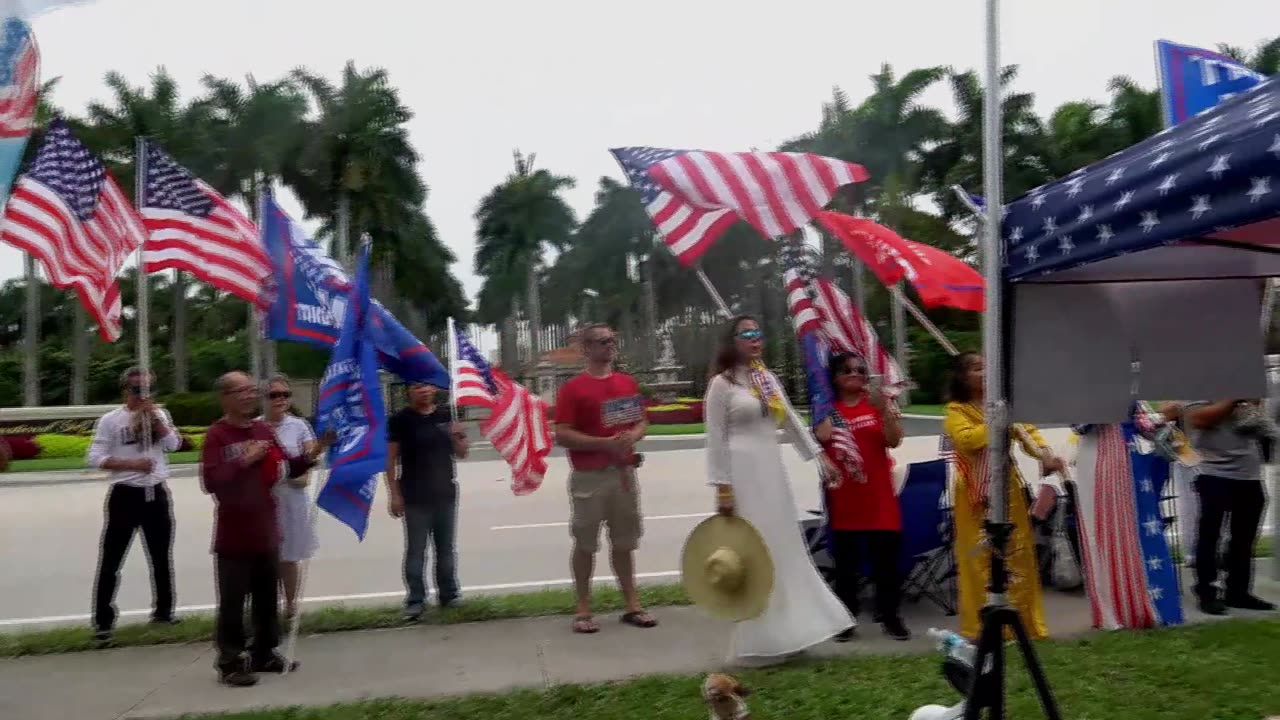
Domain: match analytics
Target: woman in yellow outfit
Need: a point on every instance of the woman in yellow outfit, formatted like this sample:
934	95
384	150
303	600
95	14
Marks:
964	423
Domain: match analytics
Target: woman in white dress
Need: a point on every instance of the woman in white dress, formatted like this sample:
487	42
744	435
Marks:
744	407
293	503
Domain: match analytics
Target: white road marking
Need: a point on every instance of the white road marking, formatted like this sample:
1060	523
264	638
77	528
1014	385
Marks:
531	526
11	622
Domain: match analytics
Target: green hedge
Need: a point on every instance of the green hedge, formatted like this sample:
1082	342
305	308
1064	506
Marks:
192	409
62	446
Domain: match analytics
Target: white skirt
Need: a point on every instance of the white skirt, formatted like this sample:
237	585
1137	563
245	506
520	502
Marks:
298	540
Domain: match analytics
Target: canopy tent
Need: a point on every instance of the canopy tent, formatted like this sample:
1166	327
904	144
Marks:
1153	255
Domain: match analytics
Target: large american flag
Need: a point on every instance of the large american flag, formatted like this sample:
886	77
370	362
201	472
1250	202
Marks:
694	195
19	79
517	424
69	213
194	229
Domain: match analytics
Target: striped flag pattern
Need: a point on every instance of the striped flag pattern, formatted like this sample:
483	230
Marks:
692	196
69	213
517	424
192	228
19	79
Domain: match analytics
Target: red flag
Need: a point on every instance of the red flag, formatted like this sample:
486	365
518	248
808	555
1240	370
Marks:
940	278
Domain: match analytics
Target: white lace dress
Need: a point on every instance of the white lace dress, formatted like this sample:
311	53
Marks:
743	451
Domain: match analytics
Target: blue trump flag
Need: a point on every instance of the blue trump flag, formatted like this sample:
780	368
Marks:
19	85
307	297
351	407
1194	79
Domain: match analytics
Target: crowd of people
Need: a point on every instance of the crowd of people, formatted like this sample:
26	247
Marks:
256	464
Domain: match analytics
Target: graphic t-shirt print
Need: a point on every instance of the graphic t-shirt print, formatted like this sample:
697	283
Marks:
623	411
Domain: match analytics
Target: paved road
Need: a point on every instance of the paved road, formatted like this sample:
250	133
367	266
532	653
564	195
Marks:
50	536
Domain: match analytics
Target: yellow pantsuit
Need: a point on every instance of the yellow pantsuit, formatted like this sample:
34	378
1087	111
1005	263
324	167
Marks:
964	424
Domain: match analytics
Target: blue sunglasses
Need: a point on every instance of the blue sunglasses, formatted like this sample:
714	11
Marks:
751	334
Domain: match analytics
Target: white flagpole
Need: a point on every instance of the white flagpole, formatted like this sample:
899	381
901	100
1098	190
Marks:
451	354
144	292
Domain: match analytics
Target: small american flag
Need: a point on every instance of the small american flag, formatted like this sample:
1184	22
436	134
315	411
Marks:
69	213
194	229
517	424
19	79
946	449
692	196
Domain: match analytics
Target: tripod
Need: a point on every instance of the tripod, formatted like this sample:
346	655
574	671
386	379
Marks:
986	686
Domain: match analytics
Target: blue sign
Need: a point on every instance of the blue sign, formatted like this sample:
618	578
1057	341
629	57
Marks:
307	300
1194	79
351	406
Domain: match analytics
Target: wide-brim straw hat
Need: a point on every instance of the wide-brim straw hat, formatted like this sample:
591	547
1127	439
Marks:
726	568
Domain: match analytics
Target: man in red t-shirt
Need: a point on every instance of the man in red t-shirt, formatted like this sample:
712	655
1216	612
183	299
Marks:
599	418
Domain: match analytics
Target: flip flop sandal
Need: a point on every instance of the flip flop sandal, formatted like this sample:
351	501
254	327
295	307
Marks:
639	619
585	625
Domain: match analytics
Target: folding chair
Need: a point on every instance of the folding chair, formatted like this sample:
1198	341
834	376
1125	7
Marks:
928	562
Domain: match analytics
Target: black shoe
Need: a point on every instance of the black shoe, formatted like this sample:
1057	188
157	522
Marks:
275	663
102	639
237	675
168	620
1212	606
450	603
1249	602
844	636
896	630
413	612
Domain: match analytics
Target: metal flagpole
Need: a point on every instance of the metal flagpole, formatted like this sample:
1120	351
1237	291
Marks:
987	686
144	291
451	347
31	336
715	296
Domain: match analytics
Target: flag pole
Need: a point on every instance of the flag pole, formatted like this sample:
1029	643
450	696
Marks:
144	291
987	687
715	295
451	352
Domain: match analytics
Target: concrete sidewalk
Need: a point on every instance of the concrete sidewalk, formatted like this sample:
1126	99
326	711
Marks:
430	661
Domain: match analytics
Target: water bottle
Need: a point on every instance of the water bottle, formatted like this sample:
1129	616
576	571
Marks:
954	645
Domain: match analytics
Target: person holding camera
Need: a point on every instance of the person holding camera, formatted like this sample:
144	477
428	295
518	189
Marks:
130	443
600	417
1229	435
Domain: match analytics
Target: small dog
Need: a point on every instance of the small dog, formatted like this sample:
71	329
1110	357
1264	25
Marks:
724	696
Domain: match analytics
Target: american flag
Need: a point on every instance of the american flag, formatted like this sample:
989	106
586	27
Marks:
19	79
693	195
70	214
809	321
194	229
517	424
946	448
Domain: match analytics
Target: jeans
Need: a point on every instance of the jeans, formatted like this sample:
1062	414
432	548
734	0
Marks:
437	522
1243	501
256	577
128	509
882	549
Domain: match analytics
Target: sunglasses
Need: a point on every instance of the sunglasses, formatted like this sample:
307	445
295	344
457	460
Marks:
280	395
751	334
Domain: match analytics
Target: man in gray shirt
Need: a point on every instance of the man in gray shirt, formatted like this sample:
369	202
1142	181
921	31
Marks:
1229	484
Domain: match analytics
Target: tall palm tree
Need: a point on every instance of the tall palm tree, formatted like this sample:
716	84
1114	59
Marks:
1265	57
515	224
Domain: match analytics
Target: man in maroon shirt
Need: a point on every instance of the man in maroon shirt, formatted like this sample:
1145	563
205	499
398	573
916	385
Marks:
599	419
240	463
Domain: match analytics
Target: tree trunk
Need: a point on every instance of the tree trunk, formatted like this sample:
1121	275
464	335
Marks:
180	373
650	315
31	337
346	250
535	315
80	356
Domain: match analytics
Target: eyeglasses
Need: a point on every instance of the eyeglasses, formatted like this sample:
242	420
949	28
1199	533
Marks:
755	334
280	395
855	370
242	390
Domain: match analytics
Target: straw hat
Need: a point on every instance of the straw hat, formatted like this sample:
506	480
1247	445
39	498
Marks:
726	568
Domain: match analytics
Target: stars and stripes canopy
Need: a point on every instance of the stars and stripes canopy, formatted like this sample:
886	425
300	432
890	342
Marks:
694	195
19	78
69	213
1195	201
940	278
517	424
194	229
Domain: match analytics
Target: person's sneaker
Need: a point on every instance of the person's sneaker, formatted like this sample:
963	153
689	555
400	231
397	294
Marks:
1249	602
237	676
413	612
894	628
102	639
273	664
845	635
170	620
1213	606
450	603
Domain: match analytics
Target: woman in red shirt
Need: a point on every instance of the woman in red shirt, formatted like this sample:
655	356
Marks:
863	514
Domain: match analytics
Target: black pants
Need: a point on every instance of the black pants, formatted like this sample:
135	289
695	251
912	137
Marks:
881	548
1242	501
127	509
254	577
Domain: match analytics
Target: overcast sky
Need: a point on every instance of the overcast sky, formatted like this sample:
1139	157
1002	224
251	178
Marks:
568	79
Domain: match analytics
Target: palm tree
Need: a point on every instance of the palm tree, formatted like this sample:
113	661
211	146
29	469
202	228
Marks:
1135	110
515	224
1264	59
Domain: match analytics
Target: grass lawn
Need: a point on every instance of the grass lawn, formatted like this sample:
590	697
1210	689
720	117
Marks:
1214	670
77	463
199	628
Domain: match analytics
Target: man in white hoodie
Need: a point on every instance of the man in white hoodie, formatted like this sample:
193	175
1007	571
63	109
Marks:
130	442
